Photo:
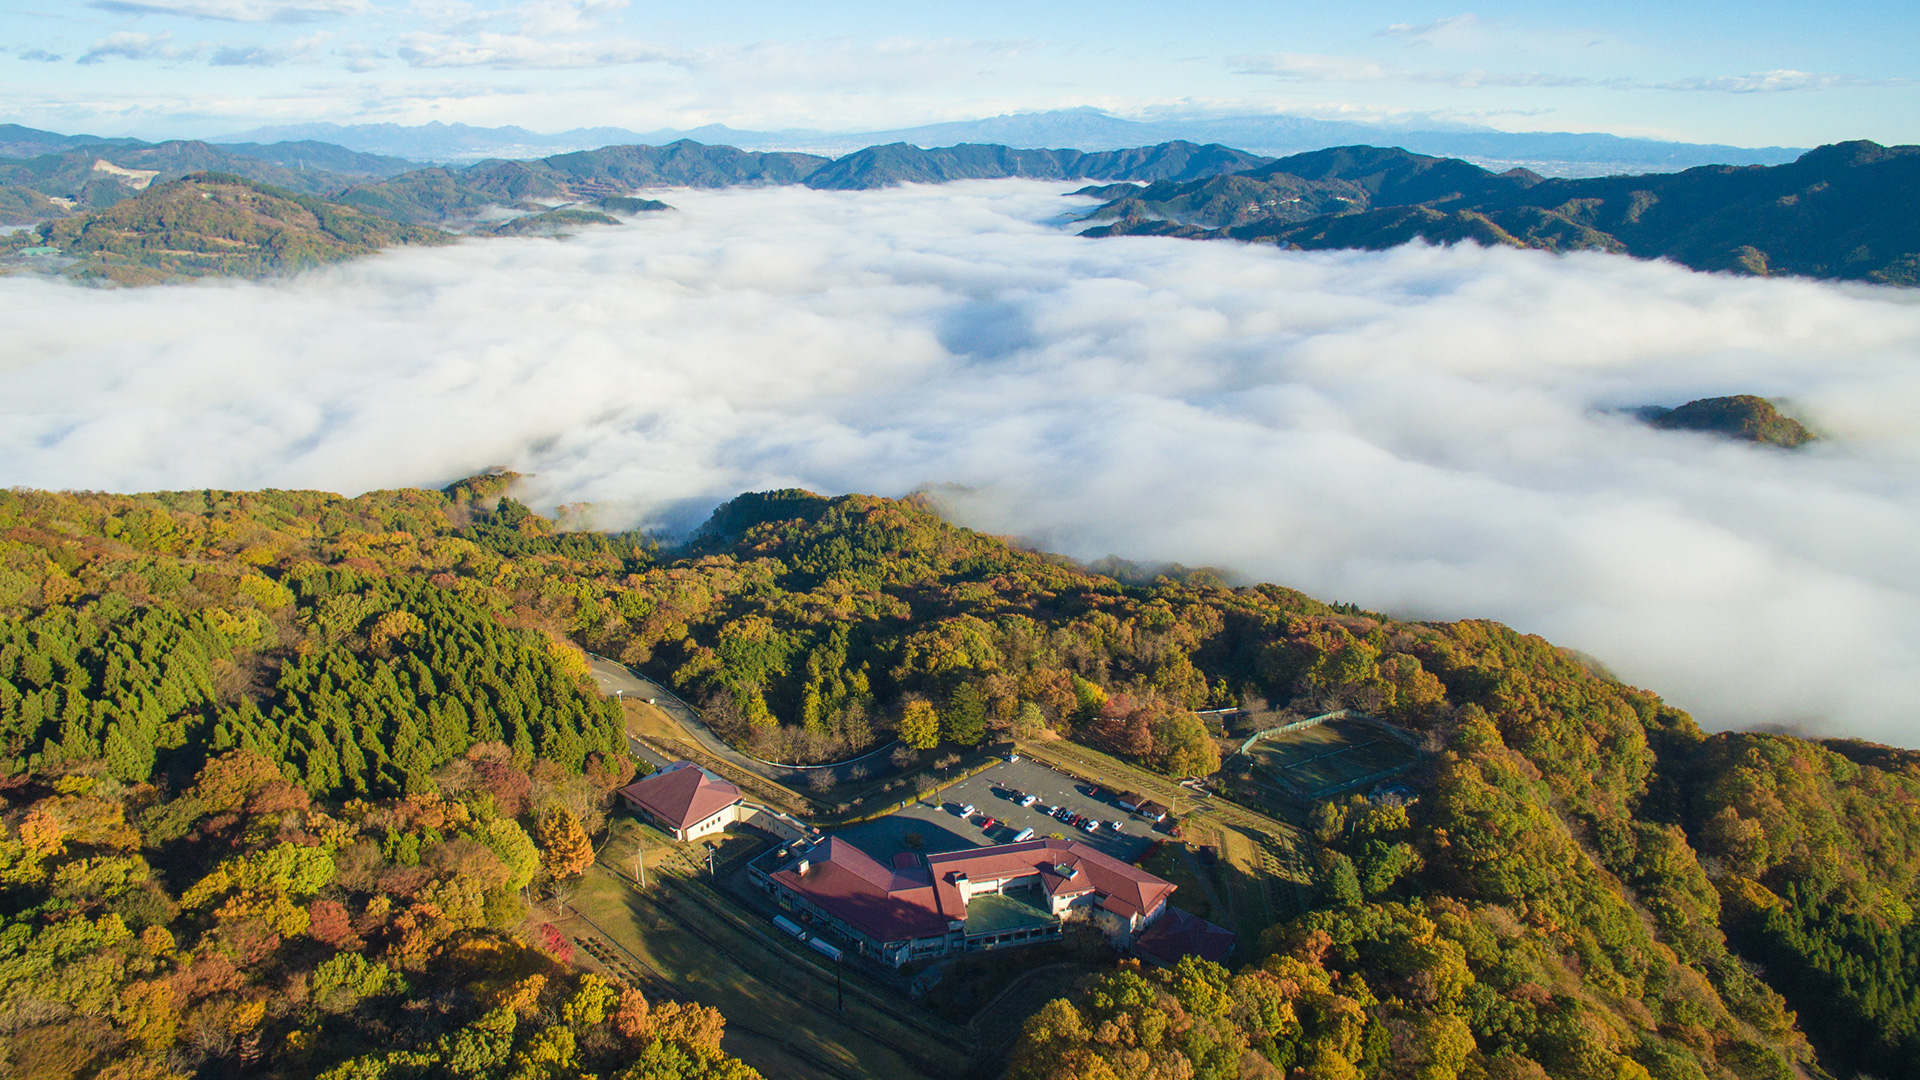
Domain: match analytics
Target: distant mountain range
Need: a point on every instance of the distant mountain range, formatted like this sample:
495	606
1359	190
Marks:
1843	211
1089	130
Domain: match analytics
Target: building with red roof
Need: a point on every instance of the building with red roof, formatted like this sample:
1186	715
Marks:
977	898
685	800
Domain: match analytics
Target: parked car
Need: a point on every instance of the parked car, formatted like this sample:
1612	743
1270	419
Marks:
968	810
1015	794
1062	813
1093	791
1116	826
987	825
1090	824
1029	800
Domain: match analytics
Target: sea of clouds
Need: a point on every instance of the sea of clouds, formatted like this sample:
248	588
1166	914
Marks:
1431	432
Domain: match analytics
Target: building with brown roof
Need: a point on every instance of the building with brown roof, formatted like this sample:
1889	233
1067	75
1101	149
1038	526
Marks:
685	800
978	898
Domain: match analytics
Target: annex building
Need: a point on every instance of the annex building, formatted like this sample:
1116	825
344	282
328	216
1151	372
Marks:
978	898
685	800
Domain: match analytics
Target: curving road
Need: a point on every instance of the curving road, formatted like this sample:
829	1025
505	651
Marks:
618	679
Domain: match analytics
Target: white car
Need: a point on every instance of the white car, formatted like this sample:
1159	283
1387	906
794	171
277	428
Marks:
1029	800
1115	825
967	810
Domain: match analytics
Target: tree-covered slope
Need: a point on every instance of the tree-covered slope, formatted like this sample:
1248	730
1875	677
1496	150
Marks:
1837	212
100	174
271	807
902	163
436	194
213	224
1742	416
1585	886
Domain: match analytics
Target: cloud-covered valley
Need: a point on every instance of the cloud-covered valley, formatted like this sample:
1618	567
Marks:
1431	432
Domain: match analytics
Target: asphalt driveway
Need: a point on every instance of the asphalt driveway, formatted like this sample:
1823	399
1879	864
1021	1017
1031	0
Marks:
993	794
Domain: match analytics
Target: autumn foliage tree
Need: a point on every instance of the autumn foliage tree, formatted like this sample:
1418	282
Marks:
565	849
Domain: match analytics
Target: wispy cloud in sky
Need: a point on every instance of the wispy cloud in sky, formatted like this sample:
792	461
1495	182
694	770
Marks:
239	10
755	64
134	45
1432	432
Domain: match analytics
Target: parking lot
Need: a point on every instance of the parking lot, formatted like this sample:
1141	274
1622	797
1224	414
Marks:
991	794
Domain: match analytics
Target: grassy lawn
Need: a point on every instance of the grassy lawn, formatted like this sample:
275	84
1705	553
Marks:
1169	863
649	722
1248	879
779	1006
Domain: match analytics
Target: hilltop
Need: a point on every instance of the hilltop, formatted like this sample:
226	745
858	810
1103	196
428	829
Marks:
1742	416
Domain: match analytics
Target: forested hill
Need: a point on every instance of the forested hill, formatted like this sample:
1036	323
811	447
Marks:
435	194
195	686
91	174
212	224
1840	211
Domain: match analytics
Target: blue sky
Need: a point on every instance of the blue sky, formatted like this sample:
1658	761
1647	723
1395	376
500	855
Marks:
1749	73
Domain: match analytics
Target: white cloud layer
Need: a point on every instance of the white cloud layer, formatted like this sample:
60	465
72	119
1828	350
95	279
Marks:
1422	431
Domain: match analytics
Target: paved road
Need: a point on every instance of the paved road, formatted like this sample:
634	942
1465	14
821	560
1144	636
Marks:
617	678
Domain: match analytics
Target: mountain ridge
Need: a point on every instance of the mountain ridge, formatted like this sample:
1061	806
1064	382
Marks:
1084	129
1838	211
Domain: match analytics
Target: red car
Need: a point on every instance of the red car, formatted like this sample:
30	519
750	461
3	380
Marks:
987	825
